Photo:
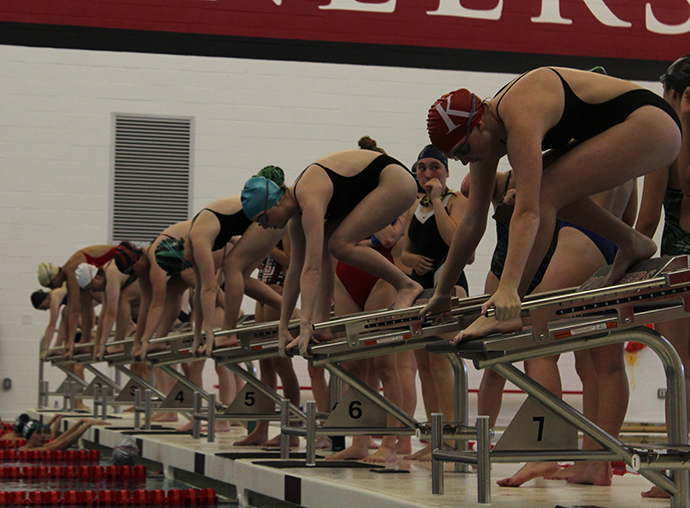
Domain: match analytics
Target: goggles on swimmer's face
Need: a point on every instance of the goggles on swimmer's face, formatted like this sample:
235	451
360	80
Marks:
464	147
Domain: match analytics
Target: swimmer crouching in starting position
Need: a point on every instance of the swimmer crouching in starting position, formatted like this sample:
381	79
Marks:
625	131
334	203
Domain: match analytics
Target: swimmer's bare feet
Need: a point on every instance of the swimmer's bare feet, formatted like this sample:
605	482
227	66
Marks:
358	450
323	444
383	454
275	442
186	427
229	341
566	472
656	492
80	406
596	473
484	326
407	295
164	417
223	426
373	445
404	445
528	472
147	348
423	455
641	248
256	438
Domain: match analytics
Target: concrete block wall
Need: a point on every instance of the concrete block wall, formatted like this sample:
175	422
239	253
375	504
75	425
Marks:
55	151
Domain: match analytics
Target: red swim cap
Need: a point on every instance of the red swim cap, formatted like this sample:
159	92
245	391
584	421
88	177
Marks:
447	122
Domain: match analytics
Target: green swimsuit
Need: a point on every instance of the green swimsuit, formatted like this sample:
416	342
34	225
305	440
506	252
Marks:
675	240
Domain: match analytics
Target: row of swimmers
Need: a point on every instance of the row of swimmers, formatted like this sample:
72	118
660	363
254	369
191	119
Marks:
576	142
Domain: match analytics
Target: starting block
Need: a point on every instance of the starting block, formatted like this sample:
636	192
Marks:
592	315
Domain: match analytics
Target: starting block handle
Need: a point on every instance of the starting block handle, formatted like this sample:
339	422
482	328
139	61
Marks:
568	296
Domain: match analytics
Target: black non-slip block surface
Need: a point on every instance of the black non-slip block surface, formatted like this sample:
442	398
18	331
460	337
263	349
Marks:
153	427
343	464
261	455
159	432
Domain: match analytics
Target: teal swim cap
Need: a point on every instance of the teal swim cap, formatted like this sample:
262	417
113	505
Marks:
259	194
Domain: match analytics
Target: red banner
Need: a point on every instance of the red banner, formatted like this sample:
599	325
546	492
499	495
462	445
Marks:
634	29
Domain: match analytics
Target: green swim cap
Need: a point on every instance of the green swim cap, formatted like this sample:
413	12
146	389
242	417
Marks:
170	256
273	173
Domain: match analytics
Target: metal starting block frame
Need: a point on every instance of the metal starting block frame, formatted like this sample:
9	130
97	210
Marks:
74	387
177	350
256	401
370	334
591	316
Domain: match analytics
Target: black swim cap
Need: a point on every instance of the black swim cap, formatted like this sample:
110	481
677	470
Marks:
38	297
19	423
677	76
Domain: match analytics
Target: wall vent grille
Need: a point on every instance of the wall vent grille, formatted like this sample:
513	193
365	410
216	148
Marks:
152	172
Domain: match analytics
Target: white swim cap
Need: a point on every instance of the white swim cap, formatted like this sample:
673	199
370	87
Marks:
85	273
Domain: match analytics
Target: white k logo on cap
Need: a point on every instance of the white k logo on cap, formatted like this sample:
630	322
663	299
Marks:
445	114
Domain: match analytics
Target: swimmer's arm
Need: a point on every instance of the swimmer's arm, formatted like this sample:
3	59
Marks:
109	311
652	200
472	226
69	437
525	157
391	234
56	297
447	221
144	305
87	315
292	283
73	308
292	280
313	226
407	255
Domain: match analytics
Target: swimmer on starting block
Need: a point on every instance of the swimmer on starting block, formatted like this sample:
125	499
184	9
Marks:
334	203
79	301
625	131
211	230
121	294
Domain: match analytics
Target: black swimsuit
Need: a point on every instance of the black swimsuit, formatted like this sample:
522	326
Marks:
230	225
349	191
581	120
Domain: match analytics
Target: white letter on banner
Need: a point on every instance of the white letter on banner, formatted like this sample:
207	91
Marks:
355	5
454	8
657	27
550	13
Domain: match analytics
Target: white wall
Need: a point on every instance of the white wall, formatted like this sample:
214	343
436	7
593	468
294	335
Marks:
55	148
